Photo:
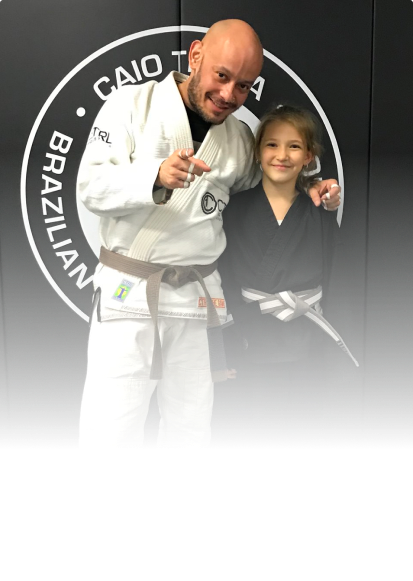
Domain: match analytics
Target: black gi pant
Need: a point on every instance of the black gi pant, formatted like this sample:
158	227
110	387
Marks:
286	397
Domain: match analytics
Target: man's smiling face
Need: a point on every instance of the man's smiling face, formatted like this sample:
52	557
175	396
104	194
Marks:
224	67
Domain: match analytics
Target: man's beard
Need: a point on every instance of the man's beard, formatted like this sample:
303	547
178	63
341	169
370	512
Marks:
195	98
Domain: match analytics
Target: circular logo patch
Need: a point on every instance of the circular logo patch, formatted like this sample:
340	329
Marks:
208	203
63	235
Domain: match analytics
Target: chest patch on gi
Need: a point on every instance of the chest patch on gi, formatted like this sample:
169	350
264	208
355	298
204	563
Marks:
122	291
218	303
209	204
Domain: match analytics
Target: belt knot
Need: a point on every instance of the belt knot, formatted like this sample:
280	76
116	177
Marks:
177	276
300	306
287	305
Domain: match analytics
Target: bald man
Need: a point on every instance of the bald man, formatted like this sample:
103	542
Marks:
160	185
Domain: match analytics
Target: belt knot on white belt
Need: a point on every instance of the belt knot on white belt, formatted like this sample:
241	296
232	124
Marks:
287	305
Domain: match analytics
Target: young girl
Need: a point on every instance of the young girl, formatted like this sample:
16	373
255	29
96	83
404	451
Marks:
276	267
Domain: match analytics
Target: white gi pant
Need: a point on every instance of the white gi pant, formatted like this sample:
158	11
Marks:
118	390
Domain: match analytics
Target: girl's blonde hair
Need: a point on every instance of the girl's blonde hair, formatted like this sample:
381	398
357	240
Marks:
307	126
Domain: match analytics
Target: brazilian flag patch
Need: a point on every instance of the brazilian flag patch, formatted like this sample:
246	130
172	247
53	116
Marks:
123	290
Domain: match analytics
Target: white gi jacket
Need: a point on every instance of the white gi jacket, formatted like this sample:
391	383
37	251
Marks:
136	129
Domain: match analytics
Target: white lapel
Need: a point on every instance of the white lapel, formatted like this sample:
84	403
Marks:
168	113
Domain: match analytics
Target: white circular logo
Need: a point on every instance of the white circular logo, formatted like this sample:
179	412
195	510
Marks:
62	233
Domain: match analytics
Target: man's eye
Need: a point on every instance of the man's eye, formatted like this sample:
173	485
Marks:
221	75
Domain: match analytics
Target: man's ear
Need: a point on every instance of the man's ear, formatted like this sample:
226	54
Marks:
195	54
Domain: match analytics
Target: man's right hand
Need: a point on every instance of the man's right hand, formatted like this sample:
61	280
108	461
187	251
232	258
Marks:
180	169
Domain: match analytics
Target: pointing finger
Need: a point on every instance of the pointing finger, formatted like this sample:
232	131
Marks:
200	165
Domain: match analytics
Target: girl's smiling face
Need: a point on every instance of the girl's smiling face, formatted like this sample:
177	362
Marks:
283	153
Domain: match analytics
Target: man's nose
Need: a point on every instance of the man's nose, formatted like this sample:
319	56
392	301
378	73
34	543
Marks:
227	93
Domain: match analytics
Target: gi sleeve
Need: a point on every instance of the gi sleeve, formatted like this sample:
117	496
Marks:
332	246
111	183
249	172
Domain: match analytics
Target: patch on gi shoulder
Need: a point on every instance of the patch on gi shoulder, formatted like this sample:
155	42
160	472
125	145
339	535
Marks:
218	303
123	290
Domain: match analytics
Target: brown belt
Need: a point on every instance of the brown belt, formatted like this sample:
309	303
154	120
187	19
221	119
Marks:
176	276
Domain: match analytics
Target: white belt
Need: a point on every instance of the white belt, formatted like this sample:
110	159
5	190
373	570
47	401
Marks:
287	305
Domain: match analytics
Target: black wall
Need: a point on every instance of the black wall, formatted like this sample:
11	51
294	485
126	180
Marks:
359	75
389	316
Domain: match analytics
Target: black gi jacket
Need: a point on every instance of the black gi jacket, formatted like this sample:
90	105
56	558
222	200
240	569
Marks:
263	255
